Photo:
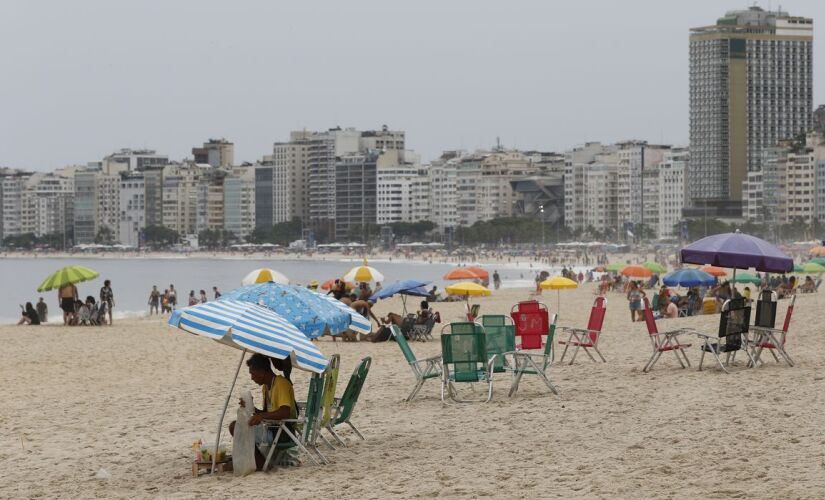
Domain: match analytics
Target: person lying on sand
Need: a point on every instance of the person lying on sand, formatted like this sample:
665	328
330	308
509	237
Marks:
278	402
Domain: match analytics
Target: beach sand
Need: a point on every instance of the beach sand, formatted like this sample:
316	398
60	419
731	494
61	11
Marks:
132	398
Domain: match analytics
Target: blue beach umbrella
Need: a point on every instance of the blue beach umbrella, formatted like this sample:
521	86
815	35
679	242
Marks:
248	327
404	288
688	278
307	310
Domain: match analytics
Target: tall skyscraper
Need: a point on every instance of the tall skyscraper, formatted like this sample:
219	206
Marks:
751	85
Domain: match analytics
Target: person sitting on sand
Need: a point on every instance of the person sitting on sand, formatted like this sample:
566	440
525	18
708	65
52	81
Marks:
278	402
29	316
423	315
669	309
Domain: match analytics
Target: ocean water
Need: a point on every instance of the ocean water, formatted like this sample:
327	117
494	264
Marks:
132	279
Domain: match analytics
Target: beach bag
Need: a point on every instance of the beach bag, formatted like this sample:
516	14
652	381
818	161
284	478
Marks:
243	442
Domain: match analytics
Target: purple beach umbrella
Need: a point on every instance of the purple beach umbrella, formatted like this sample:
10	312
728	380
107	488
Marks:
737	251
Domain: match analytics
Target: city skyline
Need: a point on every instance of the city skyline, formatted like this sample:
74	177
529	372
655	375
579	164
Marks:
140	76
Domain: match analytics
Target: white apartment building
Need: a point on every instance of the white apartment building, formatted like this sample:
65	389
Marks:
590	181
132	209
635	157
442	177
12	185
97	200
401	188
239	201
48	204
672	191
483	184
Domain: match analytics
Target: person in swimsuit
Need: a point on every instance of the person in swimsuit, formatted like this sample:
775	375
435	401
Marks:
634	297
107	297
67	296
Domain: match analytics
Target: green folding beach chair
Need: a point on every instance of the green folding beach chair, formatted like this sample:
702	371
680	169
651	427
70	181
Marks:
328	397
423	369
501	339
533	363
302	431
343	407
465	359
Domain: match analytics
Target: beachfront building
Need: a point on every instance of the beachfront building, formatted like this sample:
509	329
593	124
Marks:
132	208
12	185
483	184
751	85
290	167
179	198
97	200
264	193
590	181
638	160
138	159
355	195
239	193
48	204
153	199
672	191
215	152
441	177
402	188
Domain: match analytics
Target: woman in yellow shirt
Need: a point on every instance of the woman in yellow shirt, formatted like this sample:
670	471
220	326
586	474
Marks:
278	400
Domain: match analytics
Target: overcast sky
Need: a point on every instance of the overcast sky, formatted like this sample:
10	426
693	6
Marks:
79	79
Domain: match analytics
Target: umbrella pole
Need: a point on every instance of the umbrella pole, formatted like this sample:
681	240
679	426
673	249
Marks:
223	413
404	301
558	302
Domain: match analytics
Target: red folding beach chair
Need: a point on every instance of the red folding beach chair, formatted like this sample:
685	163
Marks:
587	338
773	339
663	341
532	321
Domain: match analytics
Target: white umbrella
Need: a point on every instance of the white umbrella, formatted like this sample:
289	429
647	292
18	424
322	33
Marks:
363	273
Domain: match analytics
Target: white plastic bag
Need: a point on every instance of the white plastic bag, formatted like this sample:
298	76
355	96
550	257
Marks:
243	442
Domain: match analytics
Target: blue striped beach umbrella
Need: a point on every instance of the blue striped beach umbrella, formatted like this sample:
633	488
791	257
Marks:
249	327
358	323
305	309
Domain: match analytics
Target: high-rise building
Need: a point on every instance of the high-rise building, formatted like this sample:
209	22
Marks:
441	177
138	159
12	186
355	194
751	86
97	200
636	158
132	208
239	198
590	183
264	194
215	152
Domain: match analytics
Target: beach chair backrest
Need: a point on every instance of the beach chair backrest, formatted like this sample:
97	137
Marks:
489	320
594	324
402	343
650	321
500	339
330	383
532	321
464	350
350	397
766	309
734	321
407	323
313	408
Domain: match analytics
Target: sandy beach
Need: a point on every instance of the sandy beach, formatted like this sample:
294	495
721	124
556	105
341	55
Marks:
132	398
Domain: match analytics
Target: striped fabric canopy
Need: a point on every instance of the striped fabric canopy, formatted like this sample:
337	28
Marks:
358	323
245	325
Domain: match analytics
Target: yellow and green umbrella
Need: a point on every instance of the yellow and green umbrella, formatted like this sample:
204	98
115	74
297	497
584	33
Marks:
67	276
811	268
615	267
558	283
655	267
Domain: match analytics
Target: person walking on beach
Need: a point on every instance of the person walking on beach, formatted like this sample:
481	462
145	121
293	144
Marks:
217	293
67	296
42	310
154	300
634	297
173	297
108	297
496	280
